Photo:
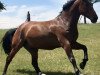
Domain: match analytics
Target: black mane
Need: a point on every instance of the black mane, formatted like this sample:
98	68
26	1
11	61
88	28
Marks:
67	5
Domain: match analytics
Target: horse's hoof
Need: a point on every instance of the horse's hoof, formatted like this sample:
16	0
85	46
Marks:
82	65
78	73
3	74
81	74
41	73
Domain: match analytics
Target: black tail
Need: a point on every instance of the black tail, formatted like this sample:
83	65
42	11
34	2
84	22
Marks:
28	16
7	40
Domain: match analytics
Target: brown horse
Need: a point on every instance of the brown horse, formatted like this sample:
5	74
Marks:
59	32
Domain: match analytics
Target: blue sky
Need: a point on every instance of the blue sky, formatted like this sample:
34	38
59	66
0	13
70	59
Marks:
40	10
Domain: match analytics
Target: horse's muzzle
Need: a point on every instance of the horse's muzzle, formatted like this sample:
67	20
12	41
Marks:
94	19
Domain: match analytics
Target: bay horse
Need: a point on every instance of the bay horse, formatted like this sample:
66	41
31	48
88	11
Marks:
59	32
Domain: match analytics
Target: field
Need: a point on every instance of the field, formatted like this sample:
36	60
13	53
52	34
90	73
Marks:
55	62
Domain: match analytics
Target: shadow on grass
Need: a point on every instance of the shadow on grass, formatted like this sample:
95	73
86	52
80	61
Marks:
29	72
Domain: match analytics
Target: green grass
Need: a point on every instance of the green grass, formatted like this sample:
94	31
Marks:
55	62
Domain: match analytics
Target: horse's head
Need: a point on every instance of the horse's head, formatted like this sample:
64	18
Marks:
86	9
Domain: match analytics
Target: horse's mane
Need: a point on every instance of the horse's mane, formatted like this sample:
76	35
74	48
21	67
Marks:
67	5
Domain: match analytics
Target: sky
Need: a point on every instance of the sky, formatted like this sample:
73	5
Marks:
40	10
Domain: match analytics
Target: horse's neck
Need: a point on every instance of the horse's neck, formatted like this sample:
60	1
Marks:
74	14
70	18
74	18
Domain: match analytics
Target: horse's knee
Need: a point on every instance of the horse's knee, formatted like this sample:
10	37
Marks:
9	58
85	60
84	48
72	59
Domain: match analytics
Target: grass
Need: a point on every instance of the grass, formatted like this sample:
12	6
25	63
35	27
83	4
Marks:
55	62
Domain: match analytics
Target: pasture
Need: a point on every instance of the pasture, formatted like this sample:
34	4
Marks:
55	62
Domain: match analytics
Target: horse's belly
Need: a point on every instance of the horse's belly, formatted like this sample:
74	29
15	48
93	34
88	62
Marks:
43	43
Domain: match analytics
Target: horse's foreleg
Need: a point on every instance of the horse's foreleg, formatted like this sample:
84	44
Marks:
66	45
80	46
71	58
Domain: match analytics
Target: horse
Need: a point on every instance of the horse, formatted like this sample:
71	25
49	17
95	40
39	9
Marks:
59	32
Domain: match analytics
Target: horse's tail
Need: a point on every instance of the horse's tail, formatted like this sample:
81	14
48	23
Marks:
28	17
7	40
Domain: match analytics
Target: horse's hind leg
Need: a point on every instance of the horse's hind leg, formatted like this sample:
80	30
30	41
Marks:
78	46
34	54
14	50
